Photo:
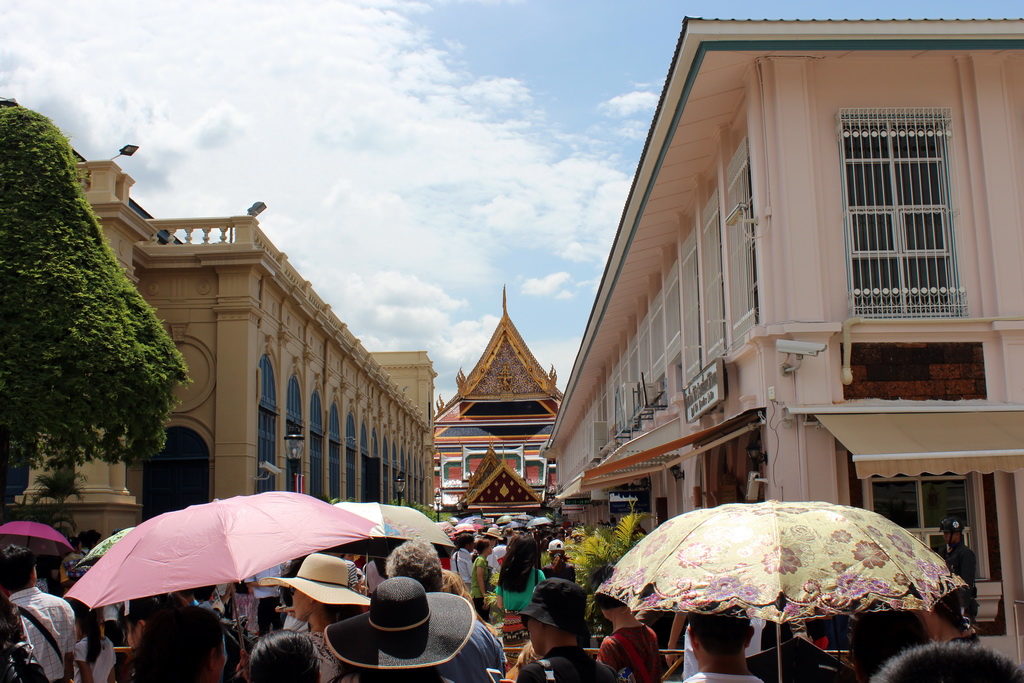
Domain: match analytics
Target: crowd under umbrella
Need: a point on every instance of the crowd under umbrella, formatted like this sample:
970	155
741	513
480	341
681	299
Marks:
224	541
41	539
782	562
101	548
393	526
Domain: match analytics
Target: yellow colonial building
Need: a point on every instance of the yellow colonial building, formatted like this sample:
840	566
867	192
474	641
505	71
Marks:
283	396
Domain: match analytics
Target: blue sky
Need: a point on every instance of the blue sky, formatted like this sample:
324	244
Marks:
415	155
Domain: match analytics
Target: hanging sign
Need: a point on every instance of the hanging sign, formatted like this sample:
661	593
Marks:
705	391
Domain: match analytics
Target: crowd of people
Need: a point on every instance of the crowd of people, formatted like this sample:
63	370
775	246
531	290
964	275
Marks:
418	616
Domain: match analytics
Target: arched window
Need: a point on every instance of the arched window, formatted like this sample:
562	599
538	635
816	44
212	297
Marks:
385	474
371	467
316	446
266	425
293	417
350	457
395	469
334	455
388	485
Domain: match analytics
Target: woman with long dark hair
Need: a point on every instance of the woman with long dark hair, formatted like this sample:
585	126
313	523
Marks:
94	654
520	573
184	645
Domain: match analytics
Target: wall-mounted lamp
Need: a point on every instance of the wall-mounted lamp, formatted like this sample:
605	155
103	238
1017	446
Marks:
256	209
756	453
738	216
400	486
293	442
127	151
677	472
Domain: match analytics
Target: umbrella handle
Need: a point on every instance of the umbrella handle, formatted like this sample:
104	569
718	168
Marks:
778	648
238	621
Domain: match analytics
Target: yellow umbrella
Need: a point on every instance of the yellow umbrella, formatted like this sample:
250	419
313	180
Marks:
781	562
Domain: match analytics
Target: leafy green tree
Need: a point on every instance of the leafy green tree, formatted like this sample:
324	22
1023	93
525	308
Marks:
86	369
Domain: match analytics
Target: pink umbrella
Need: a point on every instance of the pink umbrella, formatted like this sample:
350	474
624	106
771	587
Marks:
219	542
40	538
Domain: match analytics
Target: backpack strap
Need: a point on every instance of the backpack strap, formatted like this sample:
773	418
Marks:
549	673
42	629
633	654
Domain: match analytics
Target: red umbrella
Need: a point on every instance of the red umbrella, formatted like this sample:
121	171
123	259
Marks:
40	538
219	542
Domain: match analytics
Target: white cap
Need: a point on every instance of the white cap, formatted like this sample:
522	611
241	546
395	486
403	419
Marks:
556	546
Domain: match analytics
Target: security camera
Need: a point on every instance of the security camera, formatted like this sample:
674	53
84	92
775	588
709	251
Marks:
754	486
799	348
270	468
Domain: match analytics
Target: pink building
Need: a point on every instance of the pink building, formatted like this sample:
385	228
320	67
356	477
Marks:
816	291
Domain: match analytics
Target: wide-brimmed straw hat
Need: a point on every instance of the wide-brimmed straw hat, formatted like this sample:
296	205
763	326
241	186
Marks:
323	578
406	628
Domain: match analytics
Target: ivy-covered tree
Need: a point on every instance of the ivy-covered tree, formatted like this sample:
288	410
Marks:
87	371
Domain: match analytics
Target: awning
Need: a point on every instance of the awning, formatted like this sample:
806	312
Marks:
627	462
889	443
571	489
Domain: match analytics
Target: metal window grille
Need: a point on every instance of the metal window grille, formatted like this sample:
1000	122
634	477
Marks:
316	446
692	360
899	213
714	286
742	265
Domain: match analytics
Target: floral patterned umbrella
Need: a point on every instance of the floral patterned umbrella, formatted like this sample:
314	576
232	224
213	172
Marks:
781	562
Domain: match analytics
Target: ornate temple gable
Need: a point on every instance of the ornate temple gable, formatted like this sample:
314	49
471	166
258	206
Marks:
495	483
506	370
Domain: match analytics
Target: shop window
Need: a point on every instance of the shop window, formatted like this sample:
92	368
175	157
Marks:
919	504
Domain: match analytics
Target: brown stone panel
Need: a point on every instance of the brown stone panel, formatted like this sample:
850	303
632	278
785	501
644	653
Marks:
917	371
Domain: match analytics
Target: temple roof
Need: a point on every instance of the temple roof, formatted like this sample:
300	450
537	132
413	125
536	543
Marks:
495	483
507	370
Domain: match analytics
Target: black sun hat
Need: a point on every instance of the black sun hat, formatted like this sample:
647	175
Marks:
406	628
559	603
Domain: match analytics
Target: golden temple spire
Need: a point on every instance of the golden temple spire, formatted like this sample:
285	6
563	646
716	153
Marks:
504	301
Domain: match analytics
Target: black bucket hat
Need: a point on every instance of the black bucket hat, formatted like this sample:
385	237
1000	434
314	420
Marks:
559	603
406	628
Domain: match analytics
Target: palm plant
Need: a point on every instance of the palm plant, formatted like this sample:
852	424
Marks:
599	546
48	502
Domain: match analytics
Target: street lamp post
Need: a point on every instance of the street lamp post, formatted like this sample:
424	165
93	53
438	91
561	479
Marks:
437	505
293	443
400	486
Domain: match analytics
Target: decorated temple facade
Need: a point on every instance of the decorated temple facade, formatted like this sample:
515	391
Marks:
488	437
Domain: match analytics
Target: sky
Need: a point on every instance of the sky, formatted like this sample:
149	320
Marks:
415	156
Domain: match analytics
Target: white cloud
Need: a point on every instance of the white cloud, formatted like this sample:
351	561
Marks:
546	286
630	104
404	186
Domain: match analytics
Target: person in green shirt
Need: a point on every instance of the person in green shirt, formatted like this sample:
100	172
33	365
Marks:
520	573
481	577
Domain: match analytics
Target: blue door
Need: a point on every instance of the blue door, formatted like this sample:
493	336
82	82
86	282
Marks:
178	476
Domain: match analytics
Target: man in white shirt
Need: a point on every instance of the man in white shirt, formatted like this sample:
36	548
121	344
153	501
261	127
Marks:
718	643
49	621
267	600
462	558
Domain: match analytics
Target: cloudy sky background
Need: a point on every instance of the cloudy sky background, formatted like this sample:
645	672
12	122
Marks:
415	155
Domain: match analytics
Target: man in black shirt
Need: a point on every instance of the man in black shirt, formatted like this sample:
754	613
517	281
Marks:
961	561
555	619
